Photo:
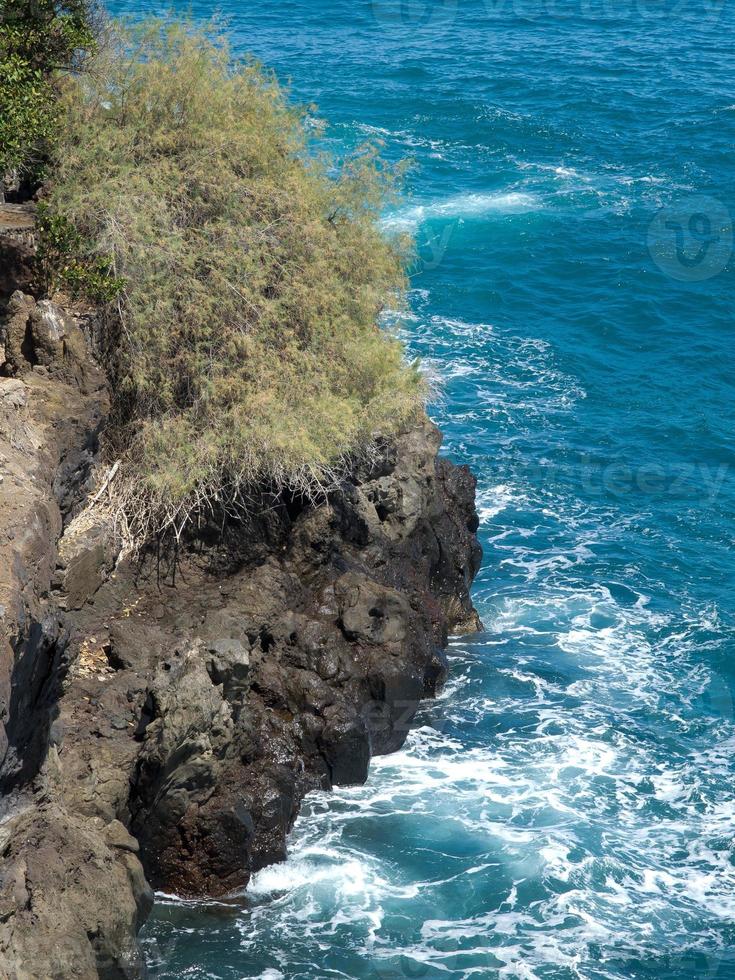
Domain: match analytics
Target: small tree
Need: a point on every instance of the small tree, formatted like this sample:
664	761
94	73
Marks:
40	41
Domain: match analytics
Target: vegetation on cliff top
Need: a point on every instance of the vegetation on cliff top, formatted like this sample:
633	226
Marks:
248	273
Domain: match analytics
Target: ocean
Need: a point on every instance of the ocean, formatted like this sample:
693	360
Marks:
566	808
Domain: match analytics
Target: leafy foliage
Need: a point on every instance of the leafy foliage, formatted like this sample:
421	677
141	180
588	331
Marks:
244	345
27	113
39	39
60	265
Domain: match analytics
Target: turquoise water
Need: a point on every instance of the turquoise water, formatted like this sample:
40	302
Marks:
566	809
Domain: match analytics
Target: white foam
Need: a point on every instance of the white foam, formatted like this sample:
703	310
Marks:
463	206
313	867
493	501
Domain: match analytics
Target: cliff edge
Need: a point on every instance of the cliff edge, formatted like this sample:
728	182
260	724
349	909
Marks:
162	720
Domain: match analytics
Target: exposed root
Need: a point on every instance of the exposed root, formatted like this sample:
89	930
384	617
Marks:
141	515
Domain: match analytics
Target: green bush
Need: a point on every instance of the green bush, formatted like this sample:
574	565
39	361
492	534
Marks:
27	114
40	40
62	265
244	346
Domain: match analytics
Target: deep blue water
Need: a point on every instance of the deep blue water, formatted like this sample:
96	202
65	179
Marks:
566	809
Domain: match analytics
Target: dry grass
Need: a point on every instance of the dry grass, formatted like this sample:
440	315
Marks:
244	349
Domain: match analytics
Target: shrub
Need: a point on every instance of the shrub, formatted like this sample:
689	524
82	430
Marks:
243	347
39	41
61	264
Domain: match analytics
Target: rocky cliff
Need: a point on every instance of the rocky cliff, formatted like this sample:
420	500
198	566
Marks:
163	720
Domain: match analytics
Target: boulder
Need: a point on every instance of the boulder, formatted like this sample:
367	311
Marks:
49	327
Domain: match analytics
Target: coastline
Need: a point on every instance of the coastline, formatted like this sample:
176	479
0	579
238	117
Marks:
177	721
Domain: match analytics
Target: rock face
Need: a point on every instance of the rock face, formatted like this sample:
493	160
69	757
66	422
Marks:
162	723
50	420
58	868
17	247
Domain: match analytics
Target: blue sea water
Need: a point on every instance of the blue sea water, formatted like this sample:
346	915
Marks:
566	809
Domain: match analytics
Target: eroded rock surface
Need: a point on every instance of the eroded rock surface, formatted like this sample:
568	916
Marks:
162	724
58	868
17	247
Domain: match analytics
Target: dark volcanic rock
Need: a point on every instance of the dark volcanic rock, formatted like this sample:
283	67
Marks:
243	691
44	418
163	725
71	897
17	248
